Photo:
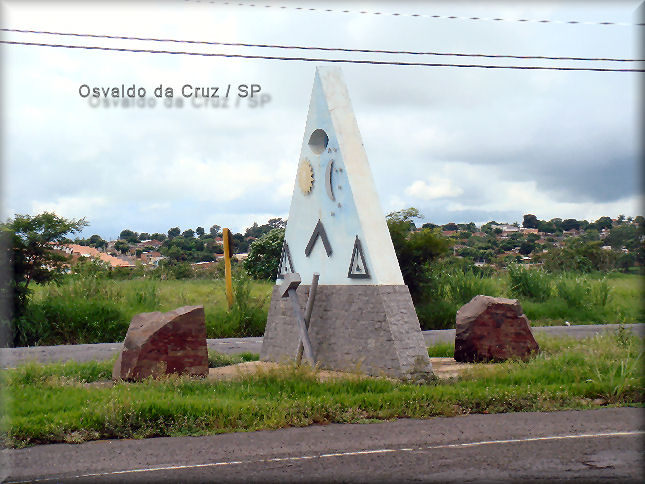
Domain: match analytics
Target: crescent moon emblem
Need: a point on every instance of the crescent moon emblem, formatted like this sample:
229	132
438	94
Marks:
328	186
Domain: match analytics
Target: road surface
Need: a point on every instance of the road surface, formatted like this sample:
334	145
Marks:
10	357
589	446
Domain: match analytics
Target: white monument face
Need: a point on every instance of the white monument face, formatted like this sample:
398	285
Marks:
336	226
361	315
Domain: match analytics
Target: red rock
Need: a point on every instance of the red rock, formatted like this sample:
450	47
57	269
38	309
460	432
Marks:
163	343
493	329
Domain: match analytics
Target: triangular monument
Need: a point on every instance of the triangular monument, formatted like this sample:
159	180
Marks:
362	316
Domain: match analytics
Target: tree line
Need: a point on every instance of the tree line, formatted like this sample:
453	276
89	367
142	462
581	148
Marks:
27	257
183	246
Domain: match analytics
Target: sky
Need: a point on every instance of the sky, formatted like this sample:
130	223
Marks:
459	144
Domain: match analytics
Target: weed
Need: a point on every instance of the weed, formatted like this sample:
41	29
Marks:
438	350
215	359
248	314
531	283
46	406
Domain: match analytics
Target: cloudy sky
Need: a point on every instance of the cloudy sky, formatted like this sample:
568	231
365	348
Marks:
460	144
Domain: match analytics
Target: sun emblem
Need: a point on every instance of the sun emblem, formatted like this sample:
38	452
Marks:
305	176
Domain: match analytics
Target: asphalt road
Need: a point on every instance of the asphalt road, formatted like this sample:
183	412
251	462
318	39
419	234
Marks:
10	357
589	446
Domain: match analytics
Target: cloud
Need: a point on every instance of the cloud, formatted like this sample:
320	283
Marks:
80	206
496	143
436	188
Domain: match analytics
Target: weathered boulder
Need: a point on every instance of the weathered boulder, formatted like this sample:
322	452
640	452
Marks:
493	329
163	343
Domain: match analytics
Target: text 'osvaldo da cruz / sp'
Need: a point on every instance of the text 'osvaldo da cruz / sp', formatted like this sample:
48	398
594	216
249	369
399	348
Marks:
195	95
187	91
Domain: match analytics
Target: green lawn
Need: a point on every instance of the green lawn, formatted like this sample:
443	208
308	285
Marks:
60	403
99	310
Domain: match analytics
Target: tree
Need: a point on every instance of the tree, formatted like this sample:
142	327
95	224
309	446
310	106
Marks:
144	236
603	223
129	236
175	253
121	246
200	231
173	232
570	224
488	226
530	221
277	223
414	250
158	236
527	247
254	231
557	223
27	242
264	255
215	230
624	236
96	241
532	238
189	234
450	226
546	227
406	215
240	244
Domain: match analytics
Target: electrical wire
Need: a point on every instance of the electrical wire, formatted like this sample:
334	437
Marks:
426	16
310	59
328	49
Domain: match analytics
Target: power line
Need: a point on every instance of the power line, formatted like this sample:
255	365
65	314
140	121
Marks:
310	59
329	49
426	16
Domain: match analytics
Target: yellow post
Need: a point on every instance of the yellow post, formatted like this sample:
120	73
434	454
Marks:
228	253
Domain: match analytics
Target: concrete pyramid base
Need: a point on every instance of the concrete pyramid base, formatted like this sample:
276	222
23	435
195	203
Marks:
371	329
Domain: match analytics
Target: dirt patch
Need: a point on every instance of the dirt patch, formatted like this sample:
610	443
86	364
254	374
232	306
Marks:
443	368
247	368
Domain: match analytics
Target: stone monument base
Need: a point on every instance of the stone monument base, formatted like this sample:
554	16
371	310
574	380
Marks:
370	329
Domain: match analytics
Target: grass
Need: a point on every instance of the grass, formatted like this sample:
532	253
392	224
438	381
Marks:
546	299
215	359
440	350
55	403
94	310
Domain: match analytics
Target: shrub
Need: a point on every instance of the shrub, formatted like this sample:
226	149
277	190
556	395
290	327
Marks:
463	286
216	360
573	291
182	270
600	293
531	283
56	320
144	296
438	314
264	255
579	291
247	316
448	286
